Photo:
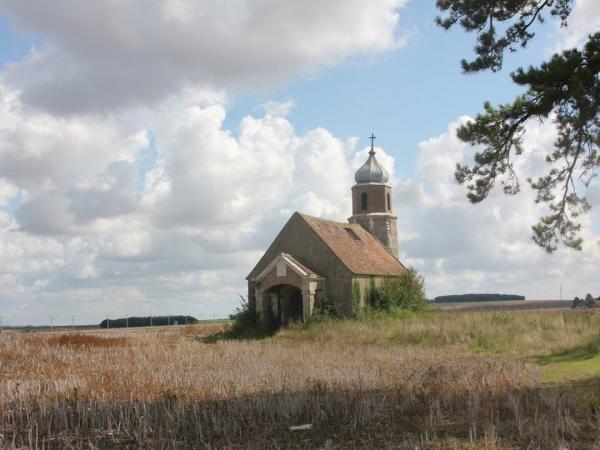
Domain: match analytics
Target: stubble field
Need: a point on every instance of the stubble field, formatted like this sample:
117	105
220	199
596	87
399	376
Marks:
437	380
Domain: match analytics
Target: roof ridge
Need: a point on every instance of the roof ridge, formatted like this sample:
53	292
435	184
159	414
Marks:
321	218
345	224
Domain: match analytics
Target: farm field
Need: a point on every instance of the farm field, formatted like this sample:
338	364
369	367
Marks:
512	305
95	327
496	380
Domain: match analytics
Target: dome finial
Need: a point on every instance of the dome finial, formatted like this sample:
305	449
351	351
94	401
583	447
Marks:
371	171
372	137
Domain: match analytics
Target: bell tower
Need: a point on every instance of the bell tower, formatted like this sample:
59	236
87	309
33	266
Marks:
372	202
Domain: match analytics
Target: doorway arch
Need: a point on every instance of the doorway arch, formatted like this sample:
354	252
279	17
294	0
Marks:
285	304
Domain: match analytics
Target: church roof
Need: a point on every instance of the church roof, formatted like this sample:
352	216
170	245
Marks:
371	171
353	246
360	251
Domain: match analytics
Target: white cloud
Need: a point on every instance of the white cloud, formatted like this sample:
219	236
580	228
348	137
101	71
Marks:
104	54
185	229
68	171
113	151
279	109
41	151
7	191
182	234
584	20
212	178
462	247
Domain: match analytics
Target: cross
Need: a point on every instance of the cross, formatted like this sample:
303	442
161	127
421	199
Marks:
372	137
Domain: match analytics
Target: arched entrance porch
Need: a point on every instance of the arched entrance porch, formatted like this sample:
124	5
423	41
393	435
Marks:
284	304
285	291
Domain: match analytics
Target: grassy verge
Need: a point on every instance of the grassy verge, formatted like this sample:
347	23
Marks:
565	345
582	362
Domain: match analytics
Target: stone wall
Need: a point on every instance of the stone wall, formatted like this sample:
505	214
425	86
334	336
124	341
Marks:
291	278
376	198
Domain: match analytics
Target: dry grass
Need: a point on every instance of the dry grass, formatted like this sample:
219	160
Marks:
87	340
168	389
521	334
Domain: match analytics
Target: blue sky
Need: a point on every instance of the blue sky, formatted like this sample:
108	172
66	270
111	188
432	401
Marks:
15	45
141	173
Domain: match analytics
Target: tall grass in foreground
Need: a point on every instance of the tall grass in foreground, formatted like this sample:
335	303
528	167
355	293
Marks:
149	389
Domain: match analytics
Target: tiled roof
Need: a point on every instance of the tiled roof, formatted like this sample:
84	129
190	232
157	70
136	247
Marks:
363	256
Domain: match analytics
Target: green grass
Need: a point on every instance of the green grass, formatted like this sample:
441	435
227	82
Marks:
582	362
565	345
568	370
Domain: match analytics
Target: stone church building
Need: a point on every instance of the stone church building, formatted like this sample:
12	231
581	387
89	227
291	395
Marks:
314	259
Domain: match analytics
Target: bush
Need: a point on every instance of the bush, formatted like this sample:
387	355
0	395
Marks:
244	319
327	309
588	302
404	292
245	324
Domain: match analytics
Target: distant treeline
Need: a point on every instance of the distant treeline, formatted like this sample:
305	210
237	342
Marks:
476	298
147	321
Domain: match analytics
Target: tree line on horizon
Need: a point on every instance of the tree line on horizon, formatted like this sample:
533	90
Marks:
476	298
148	321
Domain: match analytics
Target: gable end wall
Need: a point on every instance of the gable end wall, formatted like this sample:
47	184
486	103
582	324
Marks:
299	240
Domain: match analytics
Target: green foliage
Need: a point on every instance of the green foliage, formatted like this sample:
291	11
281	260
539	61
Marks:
404	292
566	89
482	16
245	324
588	302
356	297
326	310
372	295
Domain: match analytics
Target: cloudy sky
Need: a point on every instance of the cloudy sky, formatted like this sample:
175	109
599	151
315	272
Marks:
151	149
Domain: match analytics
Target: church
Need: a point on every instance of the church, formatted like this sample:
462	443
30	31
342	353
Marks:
314	260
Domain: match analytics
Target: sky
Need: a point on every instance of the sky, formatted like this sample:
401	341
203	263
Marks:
150	150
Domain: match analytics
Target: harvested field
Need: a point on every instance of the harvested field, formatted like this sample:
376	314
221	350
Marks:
516	305
169	389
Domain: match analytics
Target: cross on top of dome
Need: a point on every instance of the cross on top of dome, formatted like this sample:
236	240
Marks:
372	171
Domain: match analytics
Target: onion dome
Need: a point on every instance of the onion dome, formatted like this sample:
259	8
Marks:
372	171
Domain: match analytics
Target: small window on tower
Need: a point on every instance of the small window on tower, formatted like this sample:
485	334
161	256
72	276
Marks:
389	202
363	201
